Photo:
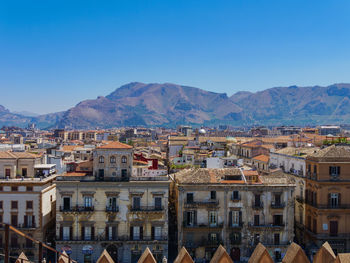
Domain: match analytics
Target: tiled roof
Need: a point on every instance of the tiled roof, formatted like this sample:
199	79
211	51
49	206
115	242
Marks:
17	155
298	152
262	158
115	145
333	151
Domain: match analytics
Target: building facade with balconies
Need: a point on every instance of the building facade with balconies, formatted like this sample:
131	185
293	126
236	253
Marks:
327	198
112	210
235	208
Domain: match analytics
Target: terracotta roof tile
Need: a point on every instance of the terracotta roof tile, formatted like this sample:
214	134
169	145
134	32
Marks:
262	157
115	145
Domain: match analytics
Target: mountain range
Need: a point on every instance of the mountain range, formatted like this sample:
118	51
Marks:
170	104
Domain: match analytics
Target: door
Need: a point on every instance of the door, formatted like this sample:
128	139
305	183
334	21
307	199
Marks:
333	228
158	203
101	174
66	203
235	254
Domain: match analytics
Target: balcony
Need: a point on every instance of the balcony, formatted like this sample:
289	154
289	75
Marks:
278	205
112	209
239	225
261	226
27	226
210	203
76	209
147	209
257	205
203	225
329	206
236	198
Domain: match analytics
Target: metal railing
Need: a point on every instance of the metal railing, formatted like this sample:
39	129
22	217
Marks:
146	208
77	208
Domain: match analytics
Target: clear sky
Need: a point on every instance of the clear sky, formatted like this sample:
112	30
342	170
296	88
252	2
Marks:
54	54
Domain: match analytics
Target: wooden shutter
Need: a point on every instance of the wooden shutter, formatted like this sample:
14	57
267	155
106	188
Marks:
92	233
185	218
25	220
152	232
114	232
131	233
339	199
240	218
329	199
71	233
195	218
230	218
33	221
61	232
107	233
141	232
83	233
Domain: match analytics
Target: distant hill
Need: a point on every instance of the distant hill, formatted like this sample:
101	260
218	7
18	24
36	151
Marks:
170	104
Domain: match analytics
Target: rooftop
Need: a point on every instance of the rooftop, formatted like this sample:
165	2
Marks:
115	145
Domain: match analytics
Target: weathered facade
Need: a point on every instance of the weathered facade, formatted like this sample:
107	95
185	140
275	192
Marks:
235	208
112	210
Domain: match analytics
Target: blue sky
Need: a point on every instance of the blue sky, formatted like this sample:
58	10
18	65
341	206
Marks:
54	54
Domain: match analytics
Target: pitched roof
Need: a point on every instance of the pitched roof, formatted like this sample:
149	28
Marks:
147	257
221	256
260	252
295	254
22	258
17	155
324	254
335	151
115	145
262	157
183	257
105	258
63	259
342	258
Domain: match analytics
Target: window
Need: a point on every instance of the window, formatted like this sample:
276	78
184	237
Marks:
136	203
1	202
278	220
333	228
29	204
213	237
101	159
87	201
14	204
24	172
14	241
257	202
235	195
29	243
112	159
277	199
334	171
124	159
213	195
136	233
315	169
87	233
28	221
101	174
256	239
111	232
8	172
14	188
190	218
212	218
112	204
276	239
1	188
29	188
66	203
158	203
66	233
157	232
256	220
334	200
235	218
124	173
189	198
14	220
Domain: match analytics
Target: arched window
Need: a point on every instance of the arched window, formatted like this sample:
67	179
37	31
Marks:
112	159
124	159
101	159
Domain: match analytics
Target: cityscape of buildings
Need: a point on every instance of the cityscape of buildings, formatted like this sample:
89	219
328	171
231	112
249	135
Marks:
124	191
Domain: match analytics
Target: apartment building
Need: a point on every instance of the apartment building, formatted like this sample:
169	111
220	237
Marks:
235	208
292	161
111	209
327	198
27	201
